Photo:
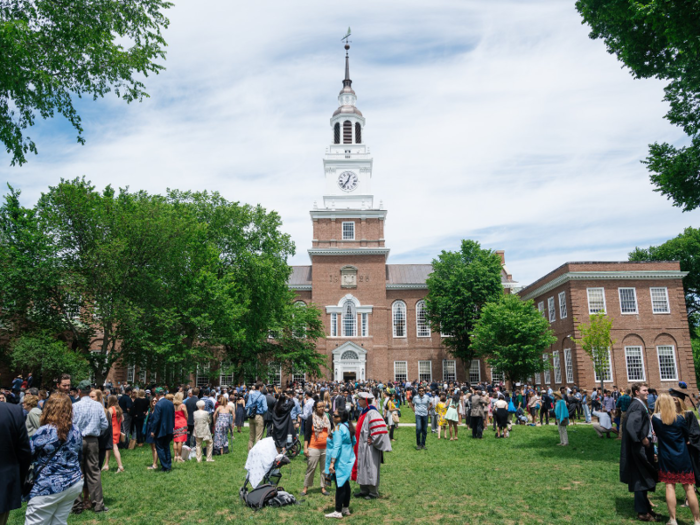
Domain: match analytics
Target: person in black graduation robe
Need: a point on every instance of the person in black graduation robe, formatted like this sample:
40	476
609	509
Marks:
637	467
282	424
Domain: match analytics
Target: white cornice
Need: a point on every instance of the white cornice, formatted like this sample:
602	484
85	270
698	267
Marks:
407	286
299	287
639	275
349	251
348	214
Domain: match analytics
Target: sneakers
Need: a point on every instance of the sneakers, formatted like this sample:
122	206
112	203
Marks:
334	514
346	511
671	521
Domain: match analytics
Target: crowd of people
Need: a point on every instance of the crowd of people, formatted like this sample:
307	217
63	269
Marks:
71	433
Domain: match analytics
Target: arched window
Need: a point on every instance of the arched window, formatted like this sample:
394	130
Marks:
398	311
349	355
347	132
336	133
349	319
358	133
422	325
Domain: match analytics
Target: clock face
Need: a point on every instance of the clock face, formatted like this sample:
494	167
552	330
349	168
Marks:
348	181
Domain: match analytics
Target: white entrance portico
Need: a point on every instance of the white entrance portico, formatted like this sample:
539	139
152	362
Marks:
349	362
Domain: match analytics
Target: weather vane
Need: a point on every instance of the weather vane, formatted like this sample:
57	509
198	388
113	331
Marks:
346	39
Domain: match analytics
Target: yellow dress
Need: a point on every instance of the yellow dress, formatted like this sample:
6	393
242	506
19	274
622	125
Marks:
440	410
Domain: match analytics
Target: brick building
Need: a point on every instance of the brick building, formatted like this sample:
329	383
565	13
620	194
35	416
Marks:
373	311
651	339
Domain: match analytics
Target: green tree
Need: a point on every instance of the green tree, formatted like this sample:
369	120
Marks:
53	50
685	248
595	341
660	39
512	335
47	358
460	285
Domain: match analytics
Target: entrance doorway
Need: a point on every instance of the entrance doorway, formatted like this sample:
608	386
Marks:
349	376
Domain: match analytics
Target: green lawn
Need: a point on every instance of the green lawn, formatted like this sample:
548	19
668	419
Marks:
522	480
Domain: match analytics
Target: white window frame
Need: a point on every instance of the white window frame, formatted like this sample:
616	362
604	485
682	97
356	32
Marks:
334	325
398	305
298	378
675	362
449	370
634	295
475	371
130	374
364	318
551	310
562	305
497	376
276	369
422	326
142	376
352	227
609	370
202	376
547	370
568	366
602	292
422	373
668	304
404	365
538	378
627	363
540	307
225	379
351	320
556	364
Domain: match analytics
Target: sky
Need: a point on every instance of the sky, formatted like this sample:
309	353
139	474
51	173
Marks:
499	121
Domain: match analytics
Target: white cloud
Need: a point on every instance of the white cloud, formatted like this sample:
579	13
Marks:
500	121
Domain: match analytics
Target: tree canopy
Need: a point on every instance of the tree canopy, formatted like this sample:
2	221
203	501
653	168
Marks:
660	39
459	286
168	283
53	50
595	341
512	335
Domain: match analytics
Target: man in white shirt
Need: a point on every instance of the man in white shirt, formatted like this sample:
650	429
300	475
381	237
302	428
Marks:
604	425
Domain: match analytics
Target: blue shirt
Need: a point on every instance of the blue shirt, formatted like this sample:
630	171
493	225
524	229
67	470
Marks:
420	404
296	410
63	469
257	399
89	417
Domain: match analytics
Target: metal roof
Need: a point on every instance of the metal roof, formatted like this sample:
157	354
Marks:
300	275
407	273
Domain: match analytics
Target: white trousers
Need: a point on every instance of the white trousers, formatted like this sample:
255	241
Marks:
53	509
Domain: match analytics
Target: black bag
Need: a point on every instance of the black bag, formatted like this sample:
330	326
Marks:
32	476
257	498
282	499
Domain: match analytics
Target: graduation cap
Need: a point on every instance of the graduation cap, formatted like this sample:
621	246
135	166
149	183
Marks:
677	392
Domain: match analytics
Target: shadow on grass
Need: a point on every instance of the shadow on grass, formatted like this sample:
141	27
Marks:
583	447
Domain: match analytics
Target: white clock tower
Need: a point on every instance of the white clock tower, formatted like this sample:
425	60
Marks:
347	162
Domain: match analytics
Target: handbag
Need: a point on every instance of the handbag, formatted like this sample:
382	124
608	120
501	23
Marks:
122	437
395	418
33	475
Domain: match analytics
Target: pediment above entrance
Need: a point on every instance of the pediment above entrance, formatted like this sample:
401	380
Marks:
360	352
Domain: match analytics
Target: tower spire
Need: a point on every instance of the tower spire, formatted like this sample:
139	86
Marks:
347	83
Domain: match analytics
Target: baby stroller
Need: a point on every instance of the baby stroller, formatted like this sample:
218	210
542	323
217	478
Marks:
264	466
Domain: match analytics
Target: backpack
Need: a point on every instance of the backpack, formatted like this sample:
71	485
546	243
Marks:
257	498
282	499
251	410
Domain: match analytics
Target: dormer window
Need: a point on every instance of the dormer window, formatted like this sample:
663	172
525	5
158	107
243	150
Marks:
358	133
347	132
336	133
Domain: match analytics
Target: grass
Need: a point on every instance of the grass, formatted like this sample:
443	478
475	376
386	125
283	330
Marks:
522	480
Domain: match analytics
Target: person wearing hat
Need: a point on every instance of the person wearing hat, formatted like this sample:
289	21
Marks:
372	441
90	419
163	424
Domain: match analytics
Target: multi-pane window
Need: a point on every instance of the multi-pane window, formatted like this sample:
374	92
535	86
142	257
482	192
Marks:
449	370
497	377
349	319
401	371
659	301
569	366
130	373
225	374
72	307
348	231
365	324
398	311
425	371
628	300
540	307
635	363
562	305
142	376
298	377
551	310
274	374
605	368
538	378
475	371
547	375
596	300
422	325
202	379
557	367
667	363
334	325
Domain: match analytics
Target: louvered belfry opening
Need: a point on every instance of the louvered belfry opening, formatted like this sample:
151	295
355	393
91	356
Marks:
347	132
358	133
336	133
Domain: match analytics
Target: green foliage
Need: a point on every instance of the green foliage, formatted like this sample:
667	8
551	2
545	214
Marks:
53	50
685	248
595	341
47	358
512	334
660	39
458	288
695	344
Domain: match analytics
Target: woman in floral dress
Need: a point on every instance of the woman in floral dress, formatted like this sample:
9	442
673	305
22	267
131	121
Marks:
440	410
223	423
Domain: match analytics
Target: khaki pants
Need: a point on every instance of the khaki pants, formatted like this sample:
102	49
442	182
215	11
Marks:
257	425
91	475
206	443
316	455
600	430
563	435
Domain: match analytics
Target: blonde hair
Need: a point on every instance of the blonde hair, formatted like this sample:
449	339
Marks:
178	397
666	409
31	401
142	393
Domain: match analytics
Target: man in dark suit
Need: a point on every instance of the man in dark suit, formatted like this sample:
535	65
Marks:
191	404
163	425
15	457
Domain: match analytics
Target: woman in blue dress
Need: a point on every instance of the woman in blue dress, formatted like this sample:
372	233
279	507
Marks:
674	460
149	438
223	423
340	458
